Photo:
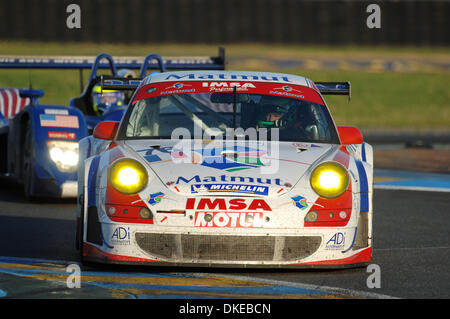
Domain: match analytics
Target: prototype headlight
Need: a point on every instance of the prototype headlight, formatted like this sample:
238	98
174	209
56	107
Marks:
128	176
64	154
329	180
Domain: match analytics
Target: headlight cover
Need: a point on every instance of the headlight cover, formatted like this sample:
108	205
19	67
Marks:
128	176
329	180
64	154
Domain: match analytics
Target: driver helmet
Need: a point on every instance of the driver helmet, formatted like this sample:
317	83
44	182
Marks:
272	115
103	99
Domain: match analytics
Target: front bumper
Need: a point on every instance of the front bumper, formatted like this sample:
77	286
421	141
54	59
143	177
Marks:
311	248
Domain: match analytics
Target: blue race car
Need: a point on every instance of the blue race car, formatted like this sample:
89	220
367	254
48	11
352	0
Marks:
39	143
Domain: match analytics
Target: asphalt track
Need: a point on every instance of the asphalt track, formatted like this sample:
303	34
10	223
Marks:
411	248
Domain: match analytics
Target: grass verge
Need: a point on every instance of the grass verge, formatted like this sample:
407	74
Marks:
380	100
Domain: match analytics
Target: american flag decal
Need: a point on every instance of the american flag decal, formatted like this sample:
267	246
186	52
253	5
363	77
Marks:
11	103
54	120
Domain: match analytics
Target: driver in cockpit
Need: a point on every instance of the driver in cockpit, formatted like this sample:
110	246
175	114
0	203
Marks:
273	114
102	100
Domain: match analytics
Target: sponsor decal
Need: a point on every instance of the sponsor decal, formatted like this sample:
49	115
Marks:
199	188
227	204
305	145
223	76
55	120
62	135
336	242
185	83
120	236
150	157
229	159
287	88
178	88
287	94
300	202
155	198
178	91
230	179
232	213
235	188
229	219
56	111
228	86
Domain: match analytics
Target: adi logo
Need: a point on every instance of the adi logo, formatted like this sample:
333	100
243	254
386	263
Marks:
120	236
337	242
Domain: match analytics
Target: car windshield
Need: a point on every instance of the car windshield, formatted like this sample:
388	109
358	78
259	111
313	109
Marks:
219	114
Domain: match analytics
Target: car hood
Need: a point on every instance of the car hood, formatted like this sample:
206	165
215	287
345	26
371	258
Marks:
228	168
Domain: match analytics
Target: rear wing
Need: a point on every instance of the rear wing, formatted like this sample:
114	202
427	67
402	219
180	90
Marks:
122	62
334	88
123	84
106	61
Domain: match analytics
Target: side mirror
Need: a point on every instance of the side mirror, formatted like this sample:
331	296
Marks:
350	135
106	130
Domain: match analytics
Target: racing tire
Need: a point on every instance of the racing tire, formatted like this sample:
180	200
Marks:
79	239
27	163
80	233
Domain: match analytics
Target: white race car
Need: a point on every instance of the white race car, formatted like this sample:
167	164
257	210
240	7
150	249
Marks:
226	169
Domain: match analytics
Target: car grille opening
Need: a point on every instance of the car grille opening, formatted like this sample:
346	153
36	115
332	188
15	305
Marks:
220	248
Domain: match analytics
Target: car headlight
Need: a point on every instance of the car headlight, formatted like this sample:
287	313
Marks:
128	176
329	180
64	154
